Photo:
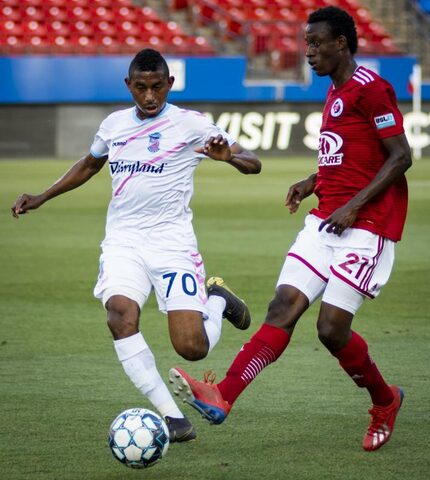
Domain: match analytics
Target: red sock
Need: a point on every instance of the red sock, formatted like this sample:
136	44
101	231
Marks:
264	348
354	358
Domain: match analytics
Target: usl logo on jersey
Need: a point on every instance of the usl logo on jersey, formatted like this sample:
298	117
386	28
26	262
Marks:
384	121
330	144
337	108
154	142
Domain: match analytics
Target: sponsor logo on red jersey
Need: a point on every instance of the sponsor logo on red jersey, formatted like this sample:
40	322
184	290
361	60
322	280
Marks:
330	144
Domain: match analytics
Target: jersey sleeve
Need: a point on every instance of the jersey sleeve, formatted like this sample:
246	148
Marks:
200	128
379	105
100	146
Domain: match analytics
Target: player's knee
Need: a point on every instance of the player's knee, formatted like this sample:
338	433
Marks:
330	335
123	318
284	310
191	350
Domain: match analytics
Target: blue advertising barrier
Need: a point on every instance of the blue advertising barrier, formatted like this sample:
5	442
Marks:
100	79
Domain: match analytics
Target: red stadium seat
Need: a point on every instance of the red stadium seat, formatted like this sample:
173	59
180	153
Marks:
57	12
83	44
123	12
81	13
8	12
81	28
57	28
148	13
153	28
13	44
102	13
103	28
126	28
202	46
33	13
11	28
32	28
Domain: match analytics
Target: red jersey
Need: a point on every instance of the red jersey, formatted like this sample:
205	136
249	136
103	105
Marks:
356	117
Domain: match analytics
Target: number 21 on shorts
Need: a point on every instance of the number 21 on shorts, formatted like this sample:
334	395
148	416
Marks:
354	261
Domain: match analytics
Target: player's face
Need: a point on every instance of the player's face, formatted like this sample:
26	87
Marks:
149	91
322	50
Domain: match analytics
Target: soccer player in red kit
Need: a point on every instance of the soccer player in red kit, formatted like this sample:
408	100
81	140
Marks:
345	251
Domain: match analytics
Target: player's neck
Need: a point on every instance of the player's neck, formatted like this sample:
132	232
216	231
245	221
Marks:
344	72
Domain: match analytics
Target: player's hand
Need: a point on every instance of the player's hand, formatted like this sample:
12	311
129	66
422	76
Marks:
298	192
339	220
216	148
26	202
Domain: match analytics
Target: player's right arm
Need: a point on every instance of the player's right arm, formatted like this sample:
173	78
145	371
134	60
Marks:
299	191
76	176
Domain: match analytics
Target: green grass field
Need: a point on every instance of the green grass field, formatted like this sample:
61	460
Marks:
302	418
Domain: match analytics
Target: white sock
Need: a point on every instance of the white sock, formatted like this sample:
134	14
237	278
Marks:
139	364
213	323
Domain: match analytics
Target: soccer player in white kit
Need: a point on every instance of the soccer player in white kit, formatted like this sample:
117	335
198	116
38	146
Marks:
152	150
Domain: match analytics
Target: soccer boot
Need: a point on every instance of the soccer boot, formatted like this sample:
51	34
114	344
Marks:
382	422
180	429
236	311
203	396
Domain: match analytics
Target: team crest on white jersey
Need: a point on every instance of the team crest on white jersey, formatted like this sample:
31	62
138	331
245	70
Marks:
154	142
329	146
337	108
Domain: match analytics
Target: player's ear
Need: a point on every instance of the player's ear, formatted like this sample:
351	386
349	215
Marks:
342	42
127	82
171	81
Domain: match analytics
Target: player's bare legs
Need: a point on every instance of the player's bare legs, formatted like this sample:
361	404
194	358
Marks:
123	316
188	335
139	364
351	350
286	308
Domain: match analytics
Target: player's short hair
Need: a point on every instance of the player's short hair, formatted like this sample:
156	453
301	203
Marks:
340	22
148	60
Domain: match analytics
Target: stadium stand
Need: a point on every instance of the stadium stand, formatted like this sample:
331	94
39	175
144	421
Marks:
90	26
272	29
268	32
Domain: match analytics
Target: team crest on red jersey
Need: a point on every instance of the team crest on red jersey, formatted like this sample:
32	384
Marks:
330	144
337	108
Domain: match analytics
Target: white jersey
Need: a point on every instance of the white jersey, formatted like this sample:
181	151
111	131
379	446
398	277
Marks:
152	164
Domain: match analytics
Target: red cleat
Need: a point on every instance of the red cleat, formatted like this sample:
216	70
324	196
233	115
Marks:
382	422
203	396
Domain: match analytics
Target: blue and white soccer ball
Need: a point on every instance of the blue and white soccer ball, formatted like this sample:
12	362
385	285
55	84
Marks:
138	438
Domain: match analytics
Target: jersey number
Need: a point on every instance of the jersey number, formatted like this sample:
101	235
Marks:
353	259
189	284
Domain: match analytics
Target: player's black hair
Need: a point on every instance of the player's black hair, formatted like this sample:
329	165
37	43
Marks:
340	22
148	60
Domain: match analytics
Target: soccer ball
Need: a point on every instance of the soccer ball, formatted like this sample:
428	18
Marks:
138	438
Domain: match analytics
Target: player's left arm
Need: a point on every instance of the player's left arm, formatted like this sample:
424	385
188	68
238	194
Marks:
398	161
218	149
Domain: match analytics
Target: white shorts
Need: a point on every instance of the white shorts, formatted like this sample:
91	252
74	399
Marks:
343	269
178	277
